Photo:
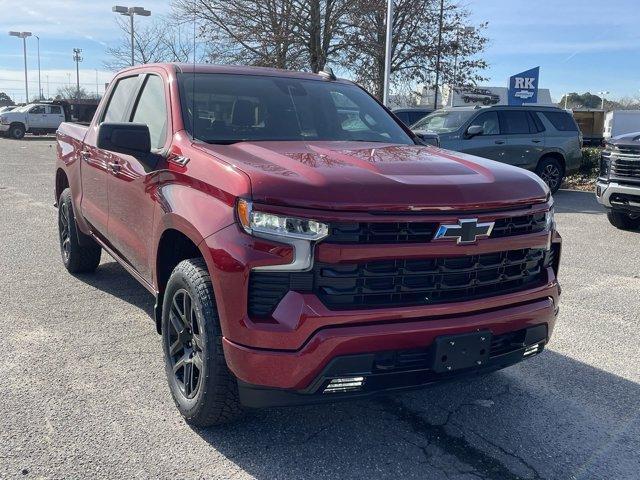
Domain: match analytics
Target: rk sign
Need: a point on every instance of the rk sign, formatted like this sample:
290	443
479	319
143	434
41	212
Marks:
523	87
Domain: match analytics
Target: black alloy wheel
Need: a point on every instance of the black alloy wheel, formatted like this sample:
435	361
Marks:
185	344
551	173
63	229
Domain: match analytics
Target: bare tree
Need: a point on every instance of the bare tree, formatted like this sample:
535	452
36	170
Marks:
247	32
414	48
70	92
320	29
159	41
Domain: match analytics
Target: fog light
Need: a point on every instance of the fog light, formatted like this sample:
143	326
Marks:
532	349
345	384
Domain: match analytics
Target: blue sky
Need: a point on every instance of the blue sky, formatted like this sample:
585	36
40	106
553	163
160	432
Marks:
580	45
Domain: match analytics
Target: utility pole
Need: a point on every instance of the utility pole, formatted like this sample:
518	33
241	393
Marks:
602	94
39	83
77	58
23	36
435	96
387	53
130	12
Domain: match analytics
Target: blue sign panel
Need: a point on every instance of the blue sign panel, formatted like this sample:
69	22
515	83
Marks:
523	87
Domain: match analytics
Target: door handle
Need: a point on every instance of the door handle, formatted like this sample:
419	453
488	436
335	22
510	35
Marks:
114	167
499	142
85	155
536	141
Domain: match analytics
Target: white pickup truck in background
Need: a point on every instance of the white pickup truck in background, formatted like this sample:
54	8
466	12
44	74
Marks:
36	118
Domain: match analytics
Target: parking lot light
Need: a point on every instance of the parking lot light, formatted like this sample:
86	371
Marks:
602	94
23	36
130	12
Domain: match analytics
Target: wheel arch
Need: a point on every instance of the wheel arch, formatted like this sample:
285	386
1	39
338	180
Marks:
555	155
177	242
62	182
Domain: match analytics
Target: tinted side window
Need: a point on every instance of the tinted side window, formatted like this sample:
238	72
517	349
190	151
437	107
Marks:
489	123
56	110
415	116
119	101
561	121
404	117
515	122
152	110
37	110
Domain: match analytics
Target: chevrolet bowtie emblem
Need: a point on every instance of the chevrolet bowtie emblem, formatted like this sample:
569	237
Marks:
468	230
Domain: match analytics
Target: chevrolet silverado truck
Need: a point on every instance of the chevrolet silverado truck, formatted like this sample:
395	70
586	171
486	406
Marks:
301	243
618	184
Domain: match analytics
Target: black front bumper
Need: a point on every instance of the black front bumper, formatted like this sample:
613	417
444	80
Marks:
395	371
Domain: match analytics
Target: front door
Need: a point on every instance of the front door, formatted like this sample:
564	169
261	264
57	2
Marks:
36	118
96	164
131	187
491	143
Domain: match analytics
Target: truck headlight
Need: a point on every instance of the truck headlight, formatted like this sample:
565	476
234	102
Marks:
256	222
605	165
550	220
4	121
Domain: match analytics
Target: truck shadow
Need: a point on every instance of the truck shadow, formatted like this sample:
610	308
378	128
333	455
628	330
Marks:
550	417
573	201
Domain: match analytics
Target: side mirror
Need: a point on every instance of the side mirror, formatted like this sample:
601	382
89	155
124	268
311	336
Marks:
474	130
128	138
427	138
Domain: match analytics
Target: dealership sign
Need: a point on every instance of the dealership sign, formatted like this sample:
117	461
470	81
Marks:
523	87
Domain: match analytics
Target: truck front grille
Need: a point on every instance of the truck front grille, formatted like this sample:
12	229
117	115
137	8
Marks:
625	163
422	232
397	283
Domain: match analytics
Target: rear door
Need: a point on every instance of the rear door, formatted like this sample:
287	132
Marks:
97	165
131	206
54	116
525	141
491	143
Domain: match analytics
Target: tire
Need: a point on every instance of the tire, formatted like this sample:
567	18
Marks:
623	220
551	171
202	387
77	257
17	131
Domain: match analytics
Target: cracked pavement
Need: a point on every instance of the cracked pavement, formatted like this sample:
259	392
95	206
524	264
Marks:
84	393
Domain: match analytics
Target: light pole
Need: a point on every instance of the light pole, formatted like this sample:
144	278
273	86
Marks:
130	12
77	58
435	96
602	94
387	53
39	83
23	36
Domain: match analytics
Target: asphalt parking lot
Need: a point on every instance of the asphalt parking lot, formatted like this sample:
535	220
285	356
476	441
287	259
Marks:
84	391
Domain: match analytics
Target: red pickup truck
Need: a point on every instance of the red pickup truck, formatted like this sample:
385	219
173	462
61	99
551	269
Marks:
301	243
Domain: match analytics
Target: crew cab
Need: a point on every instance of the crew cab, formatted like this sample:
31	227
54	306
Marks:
301	243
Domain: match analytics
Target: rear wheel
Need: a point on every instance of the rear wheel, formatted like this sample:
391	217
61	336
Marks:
551	171
77	257
17	131
203	388
623	220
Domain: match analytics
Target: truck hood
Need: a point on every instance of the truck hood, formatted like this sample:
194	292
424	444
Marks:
378	177
12	116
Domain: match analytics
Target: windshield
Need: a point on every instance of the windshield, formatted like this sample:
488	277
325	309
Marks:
443	121
226	108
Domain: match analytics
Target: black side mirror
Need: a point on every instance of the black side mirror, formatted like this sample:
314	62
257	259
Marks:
474	130
427	138
128	138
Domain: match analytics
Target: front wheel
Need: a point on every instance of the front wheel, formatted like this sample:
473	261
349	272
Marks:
551	172
623	220
203	388
17	131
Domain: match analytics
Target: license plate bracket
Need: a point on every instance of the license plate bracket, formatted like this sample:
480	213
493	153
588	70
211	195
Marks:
458	352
